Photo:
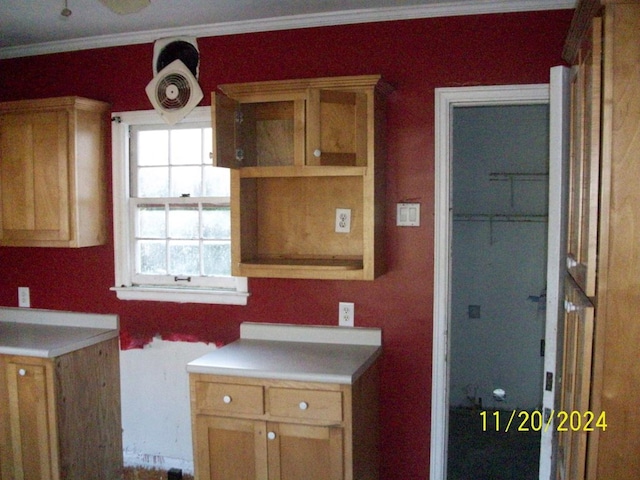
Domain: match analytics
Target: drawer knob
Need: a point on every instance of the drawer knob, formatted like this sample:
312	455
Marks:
303	405
226	399
271	435
317	153
22	372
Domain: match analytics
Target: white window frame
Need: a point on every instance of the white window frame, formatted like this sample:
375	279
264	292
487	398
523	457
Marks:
232	291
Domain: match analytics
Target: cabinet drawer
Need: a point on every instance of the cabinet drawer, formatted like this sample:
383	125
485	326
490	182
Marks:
229	398
305	404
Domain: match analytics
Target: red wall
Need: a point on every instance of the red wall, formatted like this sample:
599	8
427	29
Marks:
415	56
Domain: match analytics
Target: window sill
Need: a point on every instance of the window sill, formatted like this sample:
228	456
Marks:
182	295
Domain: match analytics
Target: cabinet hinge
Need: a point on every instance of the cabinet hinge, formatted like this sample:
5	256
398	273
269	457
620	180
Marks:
116	119
239	116
239	154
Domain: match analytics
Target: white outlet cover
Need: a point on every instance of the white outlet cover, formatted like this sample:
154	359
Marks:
24	298
346	314
343	220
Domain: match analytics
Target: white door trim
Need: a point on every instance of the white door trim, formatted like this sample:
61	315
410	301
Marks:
445	100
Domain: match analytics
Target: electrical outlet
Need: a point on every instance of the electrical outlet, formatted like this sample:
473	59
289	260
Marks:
24	299
343	220
346	314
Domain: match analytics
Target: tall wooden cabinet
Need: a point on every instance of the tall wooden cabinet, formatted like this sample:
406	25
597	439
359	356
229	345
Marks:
52	172
303	152
602	332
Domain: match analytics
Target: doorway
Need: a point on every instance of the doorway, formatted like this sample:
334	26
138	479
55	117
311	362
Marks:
498	297
492	324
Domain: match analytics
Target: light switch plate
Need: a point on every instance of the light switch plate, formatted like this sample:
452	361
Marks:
408	215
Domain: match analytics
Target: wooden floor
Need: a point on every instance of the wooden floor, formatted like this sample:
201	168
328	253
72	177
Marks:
476	453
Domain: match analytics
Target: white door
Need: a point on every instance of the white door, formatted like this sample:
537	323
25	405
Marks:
559	116
446	99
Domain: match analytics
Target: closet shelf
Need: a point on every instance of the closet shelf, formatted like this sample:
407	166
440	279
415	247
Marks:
490	217
521	177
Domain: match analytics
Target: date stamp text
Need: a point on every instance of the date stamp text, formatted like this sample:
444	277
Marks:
536	421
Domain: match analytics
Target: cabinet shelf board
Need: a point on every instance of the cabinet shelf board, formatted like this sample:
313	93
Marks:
307	171
332	263
320	268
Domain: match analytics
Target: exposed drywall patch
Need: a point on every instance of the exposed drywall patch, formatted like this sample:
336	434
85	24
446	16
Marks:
156	419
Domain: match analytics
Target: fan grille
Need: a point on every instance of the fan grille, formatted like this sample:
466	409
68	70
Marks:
173	91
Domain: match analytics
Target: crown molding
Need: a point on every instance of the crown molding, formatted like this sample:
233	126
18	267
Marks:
447	9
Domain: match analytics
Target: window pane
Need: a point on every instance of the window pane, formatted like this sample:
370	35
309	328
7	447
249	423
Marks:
184	257
153	147
184	221
217	258
151	221
216	223
174	236
153	182
217	182
186	180
186	147
152	255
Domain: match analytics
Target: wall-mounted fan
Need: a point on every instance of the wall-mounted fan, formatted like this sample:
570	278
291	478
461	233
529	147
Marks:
166	50
174	92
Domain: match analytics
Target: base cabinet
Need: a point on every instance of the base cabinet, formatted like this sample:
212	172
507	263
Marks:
250	429
60	417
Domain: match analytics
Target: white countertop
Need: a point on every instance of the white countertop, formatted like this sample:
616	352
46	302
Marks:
51	333
295	352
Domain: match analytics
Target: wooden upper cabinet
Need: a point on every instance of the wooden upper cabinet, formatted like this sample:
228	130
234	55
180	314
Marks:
301	150
52	179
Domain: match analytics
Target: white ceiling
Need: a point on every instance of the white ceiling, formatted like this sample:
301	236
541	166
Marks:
35	27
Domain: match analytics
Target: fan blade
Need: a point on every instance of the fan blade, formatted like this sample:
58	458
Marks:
125	7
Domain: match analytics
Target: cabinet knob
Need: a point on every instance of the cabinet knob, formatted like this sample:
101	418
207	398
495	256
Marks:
303	405
271	435
570	306
226	399
317	153
22	372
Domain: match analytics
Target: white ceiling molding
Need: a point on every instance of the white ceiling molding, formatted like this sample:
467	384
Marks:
454	8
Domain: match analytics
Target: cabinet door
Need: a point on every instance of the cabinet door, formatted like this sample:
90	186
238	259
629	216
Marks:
582	233
576	382
337	128
34	176
230	449
223	123
304	451
265	133
31	420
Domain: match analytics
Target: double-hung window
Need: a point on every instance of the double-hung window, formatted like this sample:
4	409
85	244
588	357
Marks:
171	212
